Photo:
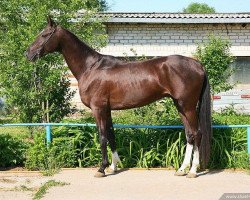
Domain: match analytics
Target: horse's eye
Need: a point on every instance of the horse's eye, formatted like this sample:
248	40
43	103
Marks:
45	34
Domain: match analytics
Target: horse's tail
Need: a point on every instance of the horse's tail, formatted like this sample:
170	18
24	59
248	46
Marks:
205	122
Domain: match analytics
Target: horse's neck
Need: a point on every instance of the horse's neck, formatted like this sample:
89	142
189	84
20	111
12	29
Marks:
78	56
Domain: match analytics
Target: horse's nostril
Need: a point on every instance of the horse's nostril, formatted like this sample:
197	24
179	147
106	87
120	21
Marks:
28	55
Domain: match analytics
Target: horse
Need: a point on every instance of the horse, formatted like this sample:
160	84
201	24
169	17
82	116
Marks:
108	83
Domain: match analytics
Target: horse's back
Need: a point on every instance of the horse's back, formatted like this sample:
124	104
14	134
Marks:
184	64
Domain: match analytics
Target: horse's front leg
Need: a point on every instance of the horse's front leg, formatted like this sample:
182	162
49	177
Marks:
111	139
100	115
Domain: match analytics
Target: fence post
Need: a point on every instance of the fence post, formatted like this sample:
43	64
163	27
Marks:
248	140
48	135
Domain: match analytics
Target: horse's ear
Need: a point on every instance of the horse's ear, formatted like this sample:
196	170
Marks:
50	21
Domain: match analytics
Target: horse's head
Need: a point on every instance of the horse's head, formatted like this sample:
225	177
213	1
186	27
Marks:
46	42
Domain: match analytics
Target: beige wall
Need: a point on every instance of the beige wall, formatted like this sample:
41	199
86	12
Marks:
167	39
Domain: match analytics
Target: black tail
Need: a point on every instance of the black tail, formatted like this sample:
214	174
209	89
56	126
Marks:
205	122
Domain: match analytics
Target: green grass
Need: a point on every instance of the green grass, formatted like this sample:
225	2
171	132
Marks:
21	132
25	188
80	147
44	188
50	172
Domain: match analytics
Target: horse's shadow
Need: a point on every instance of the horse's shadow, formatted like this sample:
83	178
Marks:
210	172
117	172
200	173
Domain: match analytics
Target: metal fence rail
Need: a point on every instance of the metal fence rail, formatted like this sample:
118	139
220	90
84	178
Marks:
49	125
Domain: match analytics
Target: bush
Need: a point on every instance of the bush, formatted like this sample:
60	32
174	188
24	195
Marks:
229	148
216	57
79	146
12	151
60	153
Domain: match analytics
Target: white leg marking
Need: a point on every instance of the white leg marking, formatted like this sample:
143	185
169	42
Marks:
188	154
115	160
196	160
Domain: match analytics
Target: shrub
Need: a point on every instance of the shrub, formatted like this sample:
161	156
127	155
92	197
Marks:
60	153
12	151
229	148
216	57
79	146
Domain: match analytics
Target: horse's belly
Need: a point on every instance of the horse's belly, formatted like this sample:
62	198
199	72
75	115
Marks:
135	99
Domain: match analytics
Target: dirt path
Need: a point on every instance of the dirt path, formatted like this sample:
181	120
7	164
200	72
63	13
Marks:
20	185
130	184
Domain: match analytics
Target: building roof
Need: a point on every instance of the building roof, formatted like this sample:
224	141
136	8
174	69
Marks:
172	18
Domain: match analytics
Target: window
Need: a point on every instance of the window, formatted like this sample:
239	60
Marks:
242	71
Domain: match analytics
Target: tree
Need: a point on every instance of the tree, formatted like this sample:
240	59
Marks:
100	5
216	57
1	107
198	8
40	91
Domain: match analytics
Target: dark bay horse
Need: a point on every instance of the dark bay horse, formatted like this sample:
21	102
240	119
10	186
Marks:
107	83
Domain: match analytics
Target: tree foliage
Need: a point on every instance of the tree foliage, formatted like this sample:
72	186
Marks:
40	91
216	57
198	8
100	5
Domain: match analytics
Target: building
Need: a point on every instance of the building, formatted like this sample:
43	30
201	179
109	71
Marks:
162	34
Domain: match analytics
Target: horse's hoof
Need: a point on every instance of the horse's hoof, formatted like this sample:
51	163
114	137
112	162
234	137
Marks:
191	175
180	173
99	174
111	171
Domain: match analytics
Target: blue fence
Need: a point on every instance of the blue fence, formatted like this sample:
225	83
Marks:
49	125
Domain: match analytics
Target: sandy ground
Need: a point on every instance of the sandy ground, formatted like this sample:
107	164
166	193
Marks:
125	185
20	185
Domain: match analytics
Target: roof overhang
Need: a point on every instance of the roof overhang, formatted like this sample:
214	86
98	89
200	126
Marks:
176	18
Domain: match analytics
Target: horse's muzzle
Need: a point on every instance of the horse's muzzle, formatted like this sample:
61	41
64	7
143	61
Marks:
30	57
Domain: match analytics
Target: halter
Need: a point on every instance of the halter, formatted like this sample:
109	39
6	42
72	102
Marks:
45	42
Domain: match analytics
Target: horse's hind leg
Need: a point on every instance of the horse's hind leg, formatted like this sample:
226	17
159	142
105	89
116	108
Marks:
190	121
111	140
189	148
195	139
